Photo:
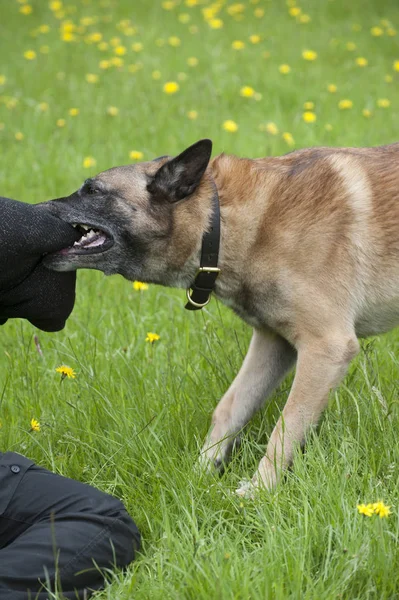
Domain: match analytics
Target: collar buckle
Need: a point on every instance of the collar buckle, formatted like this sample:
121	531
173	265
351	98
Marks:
197	305
199	292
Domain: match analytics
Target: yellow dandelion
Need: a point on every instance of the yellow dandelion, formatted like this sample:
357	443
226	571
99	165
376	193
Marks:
44	28
120	50
117	61
26	9
304	18
332	88
213	24
271	128
3	79
365	509
309	116
184	18
191	3
88	162
235	9
254	38
152	337
94	38
68	36
351	46
328	127
361	61
104	64
171	87
34	425
376	31
294	11
55	5
284	69
396	65
388	78
103	46
381	509
156	74
19	136
366	113
136	155
247	92
192	115
259	12
73	112
115	41
287	137
168	5
11	103
43	106
238	45
391	31
308	105
60	122
112	111
192	61
139	286
383	103
30	55
66	372
309	55
345	104
137	47
230	126
174	41
91	78
134	67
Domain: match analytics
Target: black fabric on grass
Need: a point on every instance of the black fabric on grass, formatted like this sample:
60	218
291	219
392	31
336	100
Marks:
57	528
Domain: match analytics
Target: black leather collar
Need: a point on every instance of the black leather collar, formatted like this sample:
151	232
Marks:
199	293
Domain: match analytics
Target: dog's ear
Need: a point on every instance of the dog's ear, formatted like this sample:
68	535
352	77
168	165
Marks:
180	176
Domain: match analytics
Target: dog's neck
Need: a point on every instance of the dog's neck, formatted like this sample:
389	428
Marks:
239	225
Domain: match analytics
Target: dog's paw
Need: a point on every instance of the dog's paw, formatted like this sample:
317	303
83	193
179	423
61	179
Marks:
248	489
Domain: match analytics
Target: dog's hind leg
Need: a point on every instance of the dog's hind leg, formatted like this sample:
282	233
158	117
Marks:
268	359
322	363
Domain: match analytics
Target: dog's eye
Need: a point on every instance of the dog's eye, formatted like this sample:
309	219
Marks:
91	190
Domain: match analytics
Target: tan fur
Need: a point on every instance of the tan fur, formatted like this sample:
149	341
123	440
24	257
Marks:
309	258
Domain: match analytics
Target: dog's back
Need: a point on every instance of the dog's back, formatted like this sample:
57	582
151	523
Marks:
328	219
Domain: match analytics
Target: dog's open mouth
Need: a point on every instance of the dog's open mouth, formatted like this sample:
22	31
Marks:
92	241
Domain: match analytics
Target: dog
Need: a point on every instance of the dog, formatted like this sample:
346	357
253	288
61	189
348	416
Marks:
309	258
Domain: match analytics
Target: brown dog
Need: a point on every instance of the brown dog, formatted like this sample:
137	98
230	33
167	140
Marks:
309	257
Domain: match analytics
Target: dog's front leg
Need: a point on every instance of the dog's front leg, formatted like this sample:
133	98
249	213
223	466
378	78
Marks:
321	365
268	359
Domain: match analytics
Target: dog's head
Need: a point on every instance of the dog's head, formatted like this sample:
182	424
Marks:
144	221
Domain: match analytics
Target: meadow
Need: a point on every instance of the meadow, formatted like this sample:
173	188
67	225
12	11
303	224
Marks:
86	85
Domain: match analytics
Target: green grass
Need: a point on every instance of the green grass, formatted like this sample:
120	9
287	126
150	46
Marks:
133	420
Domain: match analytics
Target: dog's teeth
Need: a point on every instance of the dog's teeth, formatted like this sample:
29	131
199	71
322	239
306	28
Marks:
85	227
74	224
